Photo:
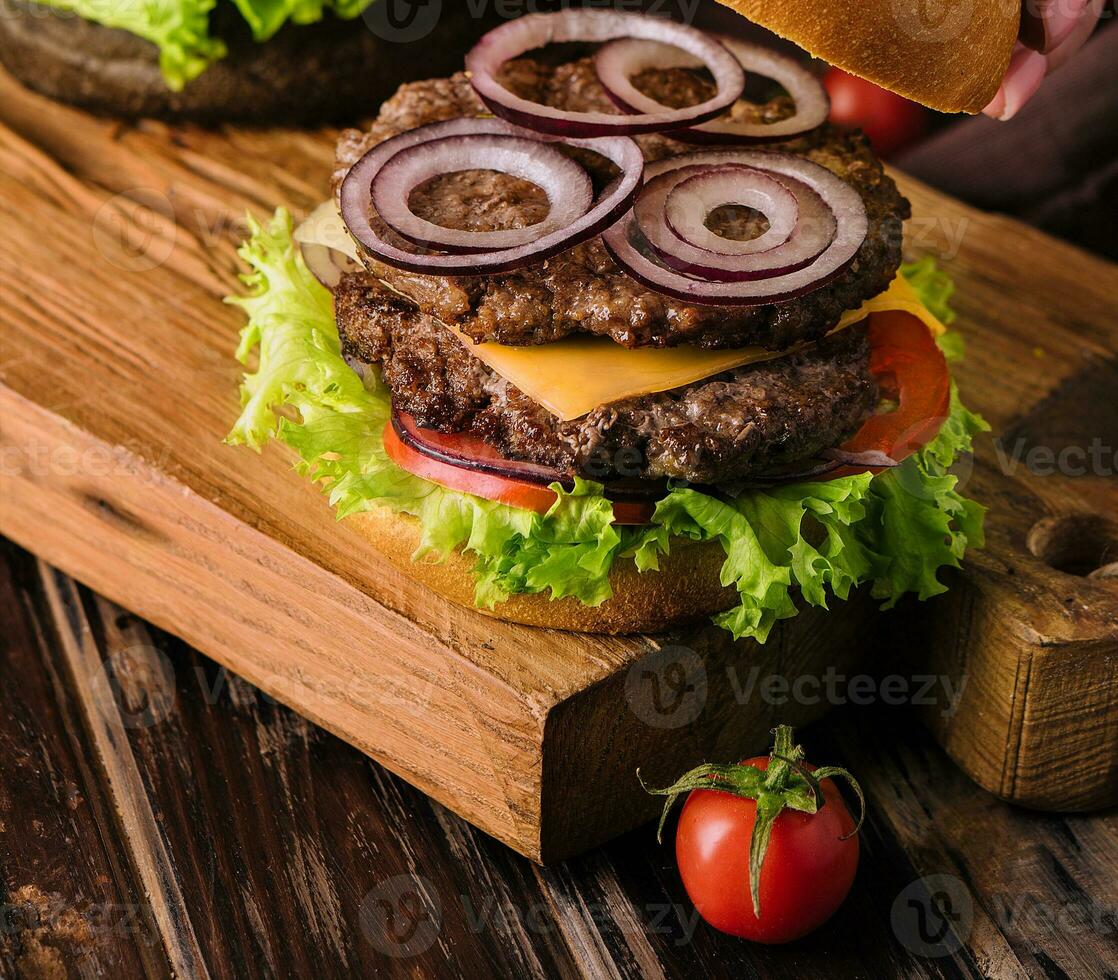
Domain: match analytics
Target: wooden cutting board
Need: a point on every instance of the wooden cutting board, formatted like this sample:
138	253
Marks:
117	385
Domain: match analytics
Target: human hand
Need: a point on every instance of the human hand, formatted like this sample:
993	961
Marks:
1051	32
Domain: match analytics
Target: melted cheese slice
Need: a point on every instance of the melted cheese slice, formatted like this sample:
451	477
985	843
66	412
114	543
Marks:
573	376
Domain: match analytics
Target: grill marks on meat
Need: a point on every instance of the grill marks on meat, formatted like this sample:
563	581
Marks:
581	290
721	430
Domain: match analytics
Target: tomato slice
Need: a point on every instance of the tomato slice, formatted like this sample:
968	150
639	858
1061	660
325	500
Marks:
904	358
490	486
912	371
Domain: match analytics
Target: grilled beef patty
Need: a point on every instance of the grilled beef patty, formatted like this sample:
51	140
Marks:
581	290
725	429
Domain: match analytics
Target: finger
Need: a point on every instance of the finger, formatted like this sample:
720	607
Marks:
1027	69
1045	24
1079	35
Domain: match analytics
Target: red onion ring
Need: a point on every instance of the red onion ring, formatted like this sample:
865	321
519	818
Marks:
843	201
814	226
469	452
567	185
355	199
531	31
619	61
872	458
686	213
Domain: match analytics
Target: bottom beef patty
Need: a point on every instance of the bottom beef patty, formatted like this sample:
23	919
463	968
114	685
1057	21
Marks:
725	429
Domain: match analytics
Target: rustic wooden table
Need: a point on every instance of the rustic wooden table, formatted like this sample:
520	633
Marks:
159	816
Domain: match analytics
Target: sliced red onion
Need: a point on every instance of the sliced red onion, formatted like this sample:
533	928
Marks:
667	214
326	264
472	453
567	185
813	234
871	458
621	60
624	241
686	205
356	201
469	452
532	31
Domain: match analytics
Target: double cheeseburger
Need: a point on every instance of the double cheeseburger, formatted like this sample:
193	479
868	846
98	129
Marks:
612	340
212	61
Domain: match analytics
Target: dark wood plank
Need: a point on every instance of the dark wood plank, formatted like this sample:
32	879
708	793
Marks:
70	902
294	855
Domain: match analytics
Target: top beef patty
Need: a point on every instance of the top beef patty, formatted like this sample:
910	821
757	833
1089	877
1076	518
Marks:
581	290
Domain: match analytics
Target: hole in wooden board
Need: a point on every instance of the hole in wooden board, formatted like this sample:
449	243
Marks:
1077	544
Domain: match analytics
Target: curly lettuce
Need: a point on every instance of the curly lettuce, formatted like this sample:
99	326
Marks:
815	540
181	28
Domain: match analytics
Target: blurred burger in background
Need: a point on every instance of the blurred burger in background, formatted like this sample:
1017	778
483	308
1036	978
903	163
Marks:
213	61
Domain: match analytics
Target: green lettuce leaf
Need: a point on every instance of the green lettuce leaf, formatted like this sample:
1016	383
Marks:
817	540
265	17
181	28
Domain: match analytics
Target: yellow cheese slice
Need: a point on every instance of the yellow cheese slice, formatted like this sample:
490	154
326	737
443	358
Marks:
899	296
573	376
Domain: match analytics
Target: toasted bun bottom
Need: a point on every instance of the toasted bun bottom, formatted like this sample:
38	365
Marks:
950	55
332	71
686	587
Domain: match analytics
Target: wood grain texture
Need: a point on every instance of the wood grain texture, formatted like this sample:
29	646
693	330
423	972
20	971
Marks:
122	243
286	842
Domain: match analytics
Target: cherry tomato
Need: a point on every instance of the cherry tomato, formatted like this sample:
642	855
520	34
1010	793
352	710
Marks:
769	851
489	486
891	121
807	871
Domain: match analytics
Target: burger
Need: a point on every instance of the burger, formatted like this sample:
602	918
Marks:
607	340
213	61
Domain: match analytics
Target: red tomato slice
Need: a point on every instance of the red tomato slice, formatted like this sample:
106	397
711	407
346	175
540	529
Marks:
489	486
911	370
